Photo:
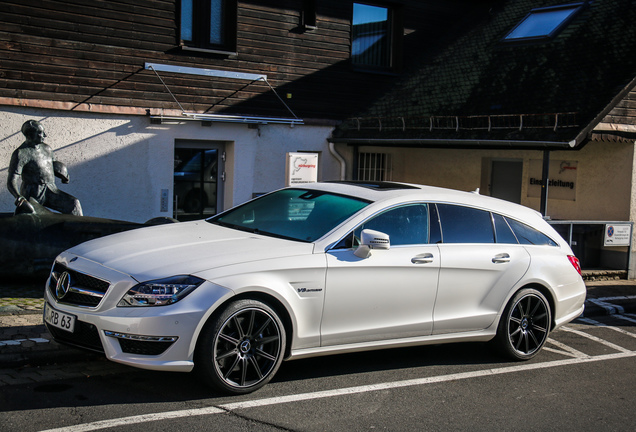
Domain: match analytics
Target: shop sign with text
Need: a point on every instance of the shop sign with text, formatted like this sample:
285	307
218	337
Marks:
561	181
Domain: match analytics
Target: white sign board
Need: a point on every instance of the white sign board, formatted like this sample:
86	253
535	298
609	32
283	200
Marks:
618	235
301	168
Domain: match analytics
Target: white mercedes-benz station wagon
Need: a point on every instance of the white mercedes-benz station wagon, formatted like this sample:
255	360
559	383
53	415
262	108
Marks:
319	269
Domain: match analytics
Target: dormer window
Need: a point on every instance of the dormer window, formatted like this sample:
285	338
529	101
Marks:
543	23
376	37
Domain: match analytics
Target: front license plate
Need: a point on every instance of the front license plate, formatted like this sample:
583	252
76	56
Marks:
59	319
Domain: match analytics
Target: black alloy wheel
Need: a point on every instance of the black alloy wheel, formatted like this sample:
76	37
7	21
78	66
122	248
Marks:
525	325
241	350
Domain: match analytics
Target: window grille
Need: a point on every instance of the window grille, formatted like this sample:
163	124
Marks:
375	167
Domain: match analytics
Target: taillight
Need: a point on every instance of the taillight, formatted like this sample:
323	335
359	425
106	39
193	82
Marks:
575	262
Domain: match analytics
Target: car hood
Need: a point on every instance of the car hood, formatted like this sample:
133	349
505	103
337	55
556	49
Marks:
183	248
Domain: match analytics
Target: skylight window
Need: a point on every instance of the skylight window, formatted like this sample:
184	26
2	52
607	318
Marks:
543	23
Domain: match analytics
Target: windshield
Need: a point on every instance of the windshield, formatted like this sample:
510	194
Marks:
297	214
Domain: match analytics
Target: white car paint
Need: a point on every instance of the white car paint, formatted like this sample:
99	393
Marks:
336	301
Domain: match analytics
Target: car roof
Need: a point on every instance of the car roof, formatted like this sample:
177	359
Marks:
396	191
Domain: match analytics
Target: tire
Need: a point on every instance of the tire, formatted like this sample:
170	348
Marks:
241	349
524	326
194	202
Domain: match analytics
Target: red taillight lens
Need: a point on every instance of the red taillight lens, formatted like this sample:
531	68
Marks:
575	262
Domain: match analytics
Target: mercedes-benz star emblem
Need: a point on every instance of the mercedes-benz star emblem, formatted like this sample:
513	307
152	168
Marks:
63	285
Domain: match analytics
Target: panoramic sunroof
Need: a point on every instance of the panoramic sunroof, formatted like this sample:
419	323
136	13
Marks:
543	23
378	185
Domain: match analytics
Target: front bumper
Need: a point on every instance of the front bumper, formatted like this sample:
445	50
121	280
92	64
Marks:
157	338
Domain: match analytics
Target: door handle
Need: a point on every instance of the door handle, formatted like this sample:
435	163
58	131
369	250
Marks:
422	259
501	258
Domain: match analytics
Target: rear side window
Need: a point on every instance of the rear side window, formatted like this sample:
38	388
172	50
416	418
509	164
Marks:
504	233
465	224
528	235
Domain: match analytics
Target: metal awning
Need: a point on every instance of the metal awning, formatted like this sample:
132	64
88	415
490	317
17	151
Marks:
156	68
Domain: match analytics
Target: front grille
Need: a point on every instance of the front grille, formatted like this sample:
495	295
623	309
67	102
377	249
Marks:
143	347
84	290
85	336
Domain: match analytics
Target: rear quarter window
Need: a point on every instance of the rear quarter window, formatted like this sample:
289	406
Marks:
528	235
503	230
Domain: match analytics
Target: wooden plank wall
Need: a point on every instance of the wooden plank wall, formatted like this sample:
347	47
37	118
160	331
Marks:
625	111
80	55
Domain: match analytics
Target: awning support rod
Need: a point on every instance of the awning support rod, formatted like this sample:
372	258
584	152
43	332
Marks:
155	67
152	68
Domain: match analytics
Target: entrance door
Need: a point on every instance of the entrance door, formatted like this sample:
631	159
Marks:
506	179
198	181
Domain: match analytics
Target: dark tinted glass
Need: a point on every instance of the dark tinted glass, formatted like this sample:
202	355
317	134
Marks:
504	233
528	235
465	224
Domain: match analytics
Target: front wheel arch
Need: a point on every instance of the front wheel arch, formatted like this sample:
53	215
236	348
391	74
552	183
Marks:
271	301
241	347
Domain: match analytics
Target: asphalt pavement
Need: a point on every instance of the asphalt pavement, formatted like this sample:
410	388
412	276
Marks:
26	343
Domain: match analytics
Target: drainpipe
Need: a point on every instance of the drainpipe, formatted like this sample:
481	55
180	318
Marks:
544	182
340	159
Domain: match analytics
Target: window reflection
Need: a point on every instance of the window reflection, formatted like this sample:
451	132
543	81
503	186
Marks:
370	39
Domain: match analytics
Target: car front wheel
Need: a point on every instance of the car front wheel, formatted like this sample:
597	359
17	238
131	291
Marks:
242	348
525	325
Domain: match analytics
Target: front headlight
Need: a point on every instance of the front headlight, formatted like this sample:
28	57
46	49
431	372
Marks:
160	292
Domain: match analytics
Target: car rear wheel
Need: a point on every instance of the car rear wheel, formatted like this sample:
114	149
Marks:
525	325
242	348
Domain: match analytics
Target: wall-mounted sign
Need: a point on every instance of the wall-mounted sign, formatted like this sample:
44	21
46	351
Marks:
301	168
561	181
618	235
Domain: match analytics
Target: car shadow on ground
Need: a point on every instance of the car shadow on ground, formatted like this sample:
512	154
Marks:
134	386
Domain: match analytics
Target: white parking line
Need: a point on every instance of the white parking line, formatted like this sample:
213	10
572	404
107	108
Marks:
13	342
627	317
103	424
596	339
144	418
565	350
618	329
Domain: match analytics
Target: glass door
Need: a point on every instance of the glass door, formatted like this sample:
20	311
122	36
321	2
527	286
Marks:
196	182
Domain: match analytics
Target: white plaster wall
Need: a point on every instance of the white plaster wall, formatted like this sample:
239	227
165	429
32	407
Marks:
118	165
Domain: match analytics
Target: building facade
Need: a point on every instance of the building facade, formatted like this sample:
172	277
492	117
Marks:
183	108
532	106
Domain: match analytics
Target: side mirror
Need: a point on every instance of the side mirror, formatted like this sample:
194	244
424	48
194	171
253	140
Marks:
370	239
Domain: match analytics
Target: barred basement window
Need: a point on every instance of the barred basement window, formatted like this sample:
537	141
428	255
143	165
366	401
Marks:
375	167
